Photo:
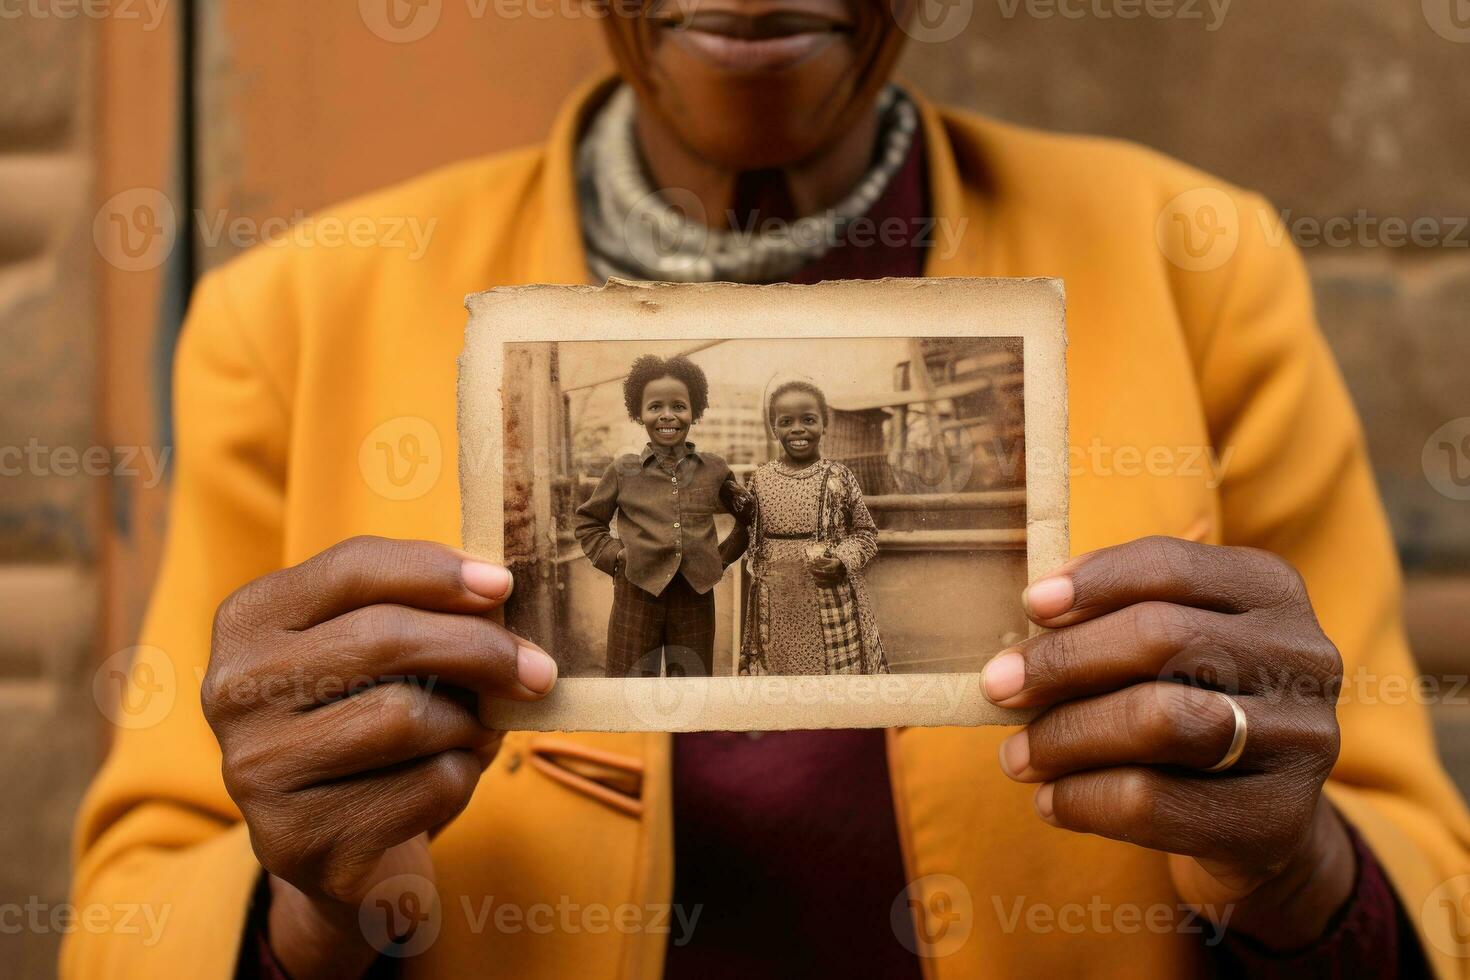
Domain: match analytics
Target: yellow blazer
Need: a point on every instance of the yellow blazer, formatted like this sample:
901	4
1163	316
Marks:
293	355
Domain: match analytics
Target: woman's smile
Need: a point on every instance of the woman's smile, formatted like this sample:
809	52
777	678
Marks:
740	42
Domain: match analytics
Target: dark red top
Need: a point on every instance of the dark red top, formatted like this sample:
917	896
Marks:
788	840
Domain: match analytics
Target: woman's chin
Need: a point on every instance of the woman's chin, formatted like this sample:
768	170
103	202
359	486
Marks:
748	122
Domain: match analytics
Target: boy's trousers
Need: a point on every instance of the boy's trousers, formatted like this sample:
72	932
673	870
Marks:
645	631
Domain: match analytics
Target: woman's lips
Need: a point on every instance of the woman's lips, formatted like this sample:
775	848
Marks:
737	43
736	54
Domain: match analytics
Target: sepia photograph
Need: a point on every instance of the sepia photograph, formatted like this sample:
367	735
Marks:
759	507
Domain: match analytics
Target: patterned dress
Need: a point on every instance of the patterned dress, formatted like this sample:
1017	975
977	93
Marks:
792	624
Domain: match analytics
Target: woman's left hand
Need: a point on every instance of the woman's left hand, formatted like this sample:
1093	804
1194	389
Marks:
1148	638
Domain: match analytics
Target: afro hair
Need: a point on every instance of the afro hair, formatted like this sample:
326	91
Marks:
650	367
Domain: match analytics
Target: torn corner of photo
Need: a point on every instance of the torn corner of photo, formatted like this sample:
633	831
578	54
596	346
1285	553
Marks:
621	450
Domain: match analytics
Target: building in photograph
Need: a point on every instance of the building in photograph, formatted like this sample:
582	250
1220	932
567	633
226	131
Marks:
732	426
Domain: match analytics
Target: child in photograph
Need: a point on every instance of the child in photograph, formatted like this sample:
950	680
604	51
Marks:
809	608
666	560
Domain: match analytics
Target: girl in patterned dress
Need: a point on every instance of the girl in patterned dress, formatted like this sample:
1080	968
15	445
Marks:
809	609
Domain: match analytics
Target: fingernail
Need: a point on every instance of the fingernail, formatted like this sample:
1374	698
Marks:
1044	805
1004	676
1050	597
1015	754
535	670
483	578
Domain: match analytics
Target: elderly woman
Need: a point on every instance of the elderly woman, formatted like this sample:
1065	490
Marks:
1240	818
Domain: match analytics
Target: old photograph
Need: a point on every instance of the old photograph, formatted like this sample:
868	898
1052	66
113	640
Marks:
727	511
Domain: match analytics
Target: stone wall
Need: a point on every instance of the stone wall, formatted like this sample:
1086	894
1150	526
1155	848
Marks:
49	728
1350	117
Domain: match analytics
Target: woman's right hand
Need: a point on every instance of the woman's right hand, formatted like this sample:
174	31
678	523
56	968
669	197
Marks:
344	693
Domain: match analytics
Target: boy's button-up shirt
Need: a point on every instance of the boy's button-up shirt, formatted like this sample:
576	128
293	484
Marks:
666	510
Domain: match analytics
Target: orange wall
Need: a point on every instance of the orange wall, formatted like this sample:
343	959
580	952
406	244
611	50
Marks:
304	104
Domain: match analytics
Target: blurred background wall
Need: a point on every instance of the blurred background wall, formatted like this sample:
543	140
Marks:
144	141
